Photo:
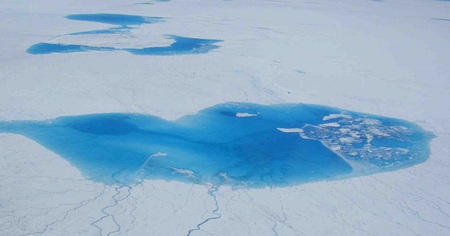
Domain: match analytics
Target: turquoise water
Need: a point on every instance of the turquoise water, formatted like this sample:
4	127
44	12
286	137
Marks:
115	19
237	144
182	45
47	48
124	24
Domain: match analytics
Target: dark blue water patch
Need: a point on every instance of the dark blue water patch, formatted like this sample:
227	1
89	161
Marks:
441	19
237	144
46	48
115	19
182	45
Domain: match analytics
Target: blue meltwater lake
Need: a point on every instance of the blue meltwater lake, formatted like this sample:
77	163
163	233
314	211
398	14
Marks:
237	144
123	24
182	45
115	19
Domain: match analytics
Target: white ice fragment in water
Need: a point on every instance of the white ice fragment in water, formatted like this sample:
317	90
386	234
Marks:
189	173
378	132
336	148
355	134
371	122
402	128
345	130
347	139
334	116
245	114
159	154
295	130
290	130
403	151
369	137
333	124
225	176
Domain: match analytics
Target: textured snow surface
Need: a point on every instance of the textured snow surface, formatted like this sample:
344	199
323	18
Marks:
388	58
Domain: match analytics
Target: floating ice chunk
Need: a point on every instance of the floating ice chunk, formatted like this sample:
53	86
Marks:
334	116
245	114
345	130
295	130
334	124
371	122
336	148
188	173
290	130
355	134
378	132
347	139
159	154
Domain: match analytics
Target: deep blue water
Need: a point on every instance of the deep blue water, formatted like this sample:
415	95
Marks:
237	144
182	45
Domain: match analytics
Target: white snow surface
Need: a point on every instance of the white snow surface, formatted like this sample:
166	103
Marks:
387	58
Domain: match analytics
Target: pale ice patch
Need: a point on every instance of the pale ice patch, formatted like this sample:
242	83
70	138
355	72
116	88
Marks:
188	173
295	130
225	176
335	116
333	124
245	114
159	154
290	130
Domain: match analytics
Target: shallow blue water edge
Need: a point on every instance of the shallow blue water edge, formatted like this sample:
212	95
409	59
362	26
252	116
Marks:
236	144
123	23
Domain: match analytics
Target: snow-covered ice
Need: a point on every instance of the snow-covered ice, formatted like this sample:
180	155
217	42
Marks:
387	58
